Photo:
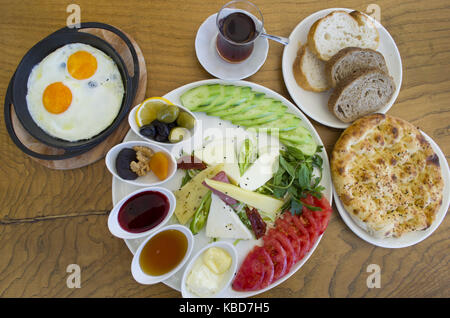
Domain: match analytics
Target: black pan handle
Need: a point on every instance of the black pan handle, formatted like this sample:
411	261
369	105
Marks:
99	25
9	127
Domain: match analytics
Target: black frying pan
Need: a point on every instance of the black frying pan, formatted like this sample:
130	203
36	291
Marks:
17	89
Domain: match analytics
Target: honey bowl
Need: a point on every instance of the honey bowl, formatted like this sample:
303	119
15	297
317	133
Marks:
162	254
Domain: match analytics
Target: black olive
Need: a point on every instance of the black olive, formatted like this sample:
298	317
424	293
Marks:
148	131
172	125
161	138
162	130
123	160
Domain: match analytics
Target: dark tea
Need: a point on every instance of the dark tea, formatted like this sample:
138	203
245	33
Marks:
235	40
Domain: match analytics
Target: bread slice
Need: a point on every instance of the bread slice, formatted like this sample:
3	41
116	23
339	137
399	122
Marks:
351	60
309	71
361	94
339	30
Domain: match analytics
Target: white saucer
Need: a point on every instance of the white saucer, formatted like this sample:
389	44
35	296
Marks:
205	48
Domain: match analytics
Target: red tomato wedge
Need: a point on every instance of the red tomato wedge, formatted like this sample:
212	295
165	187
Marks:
323	216
287	246
277	254
310	224
304	234
291	233
256	271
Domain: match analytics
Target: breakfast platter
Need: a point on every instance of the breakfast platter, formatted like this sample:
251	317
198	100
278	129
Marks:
120	189
222	187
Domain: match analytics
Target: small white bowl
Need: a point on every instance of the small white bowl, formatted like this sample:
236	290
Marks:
141	277
134	127
150	179
119	231
227	278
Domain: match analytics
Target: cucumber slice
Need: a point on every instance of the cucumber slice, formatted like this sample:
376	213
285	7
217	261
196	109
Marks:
248	104
298	135
242	95
309	148
265	108
285	123
200	96
226	92
256	121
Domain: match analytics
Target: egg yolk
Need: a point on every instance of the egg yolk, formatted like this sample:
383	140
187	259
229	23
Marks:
57	98
81	65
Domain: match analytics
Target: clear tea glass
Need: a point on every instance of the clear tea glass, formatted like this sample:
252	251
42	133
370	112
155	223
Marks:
239	24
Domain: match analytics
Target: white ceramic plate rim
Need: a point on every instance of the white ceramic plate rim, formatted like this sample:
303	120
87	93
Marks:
410	238
294	89
326	172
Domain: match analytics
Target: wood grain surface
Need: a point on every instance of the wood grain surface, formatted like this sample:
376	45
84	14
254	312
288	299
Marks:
50	219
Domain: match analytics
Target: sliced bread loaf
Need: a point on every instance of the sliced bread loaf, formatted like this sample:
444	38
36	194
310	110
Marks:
339	30
352	60
361	94
309	71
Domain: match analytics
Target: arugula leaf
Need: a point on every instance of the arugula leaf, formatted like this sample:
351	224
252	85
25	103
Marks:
297	176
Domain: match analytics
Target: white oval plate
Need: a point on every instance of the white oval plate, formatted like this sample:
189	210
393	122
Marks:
121	189
409	238
205	48
315	105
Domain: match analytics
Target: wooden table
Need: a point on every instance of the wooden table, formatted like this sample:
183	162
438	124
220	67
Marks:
50	219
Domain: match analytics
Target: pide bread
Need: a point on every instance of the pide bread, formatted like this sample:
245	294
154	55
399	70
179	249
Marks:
309	71
339	30
360	94
387	176
352	60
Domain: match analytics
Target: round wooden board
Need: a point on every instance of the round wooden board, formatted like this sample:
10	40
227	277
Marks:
99	151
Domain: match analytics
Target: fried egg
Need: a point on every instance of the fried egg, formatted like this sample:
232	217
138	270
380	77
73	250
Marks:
75	92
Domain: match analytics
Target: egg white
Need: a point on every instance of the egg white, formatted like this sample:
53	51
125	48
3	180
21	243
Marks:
96	101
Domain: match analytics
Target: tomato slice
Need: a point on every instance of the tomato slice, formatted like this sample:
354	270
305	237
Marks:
287	246
252	271
311	225
303	233
264	257
277	254
323	216
290	232
326	211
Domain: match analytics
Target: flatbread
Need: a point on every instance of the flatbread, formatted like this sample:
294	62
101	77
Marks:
387	176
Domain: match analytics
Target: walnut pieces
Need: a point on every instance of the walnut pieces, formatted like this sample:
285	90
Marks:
143	156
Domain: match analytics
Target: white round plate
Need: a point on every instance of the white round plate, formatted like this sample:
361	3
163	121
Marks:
120	189
315	105
205	48
409	238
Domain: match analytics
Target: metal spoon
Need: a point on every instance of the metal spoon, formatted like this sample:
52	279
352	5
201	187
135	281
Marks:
279	39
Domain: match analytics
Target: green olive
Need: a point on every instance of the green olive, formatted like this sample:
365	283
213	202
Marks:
168	114
177	134
186	120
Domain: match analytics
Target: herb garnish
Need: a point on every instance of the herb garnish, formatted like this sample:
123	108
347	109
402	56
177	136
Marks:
295	179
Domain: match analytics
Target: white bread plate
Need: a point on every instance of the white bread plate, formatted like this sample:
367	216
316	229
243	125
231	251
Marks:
314	104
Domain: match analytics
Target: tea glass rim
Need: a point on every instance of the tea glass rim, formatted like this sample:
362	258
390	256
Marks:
258	29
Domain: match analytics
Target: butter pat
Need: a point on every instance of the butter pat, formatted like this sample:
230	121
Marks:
207	274
217	259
